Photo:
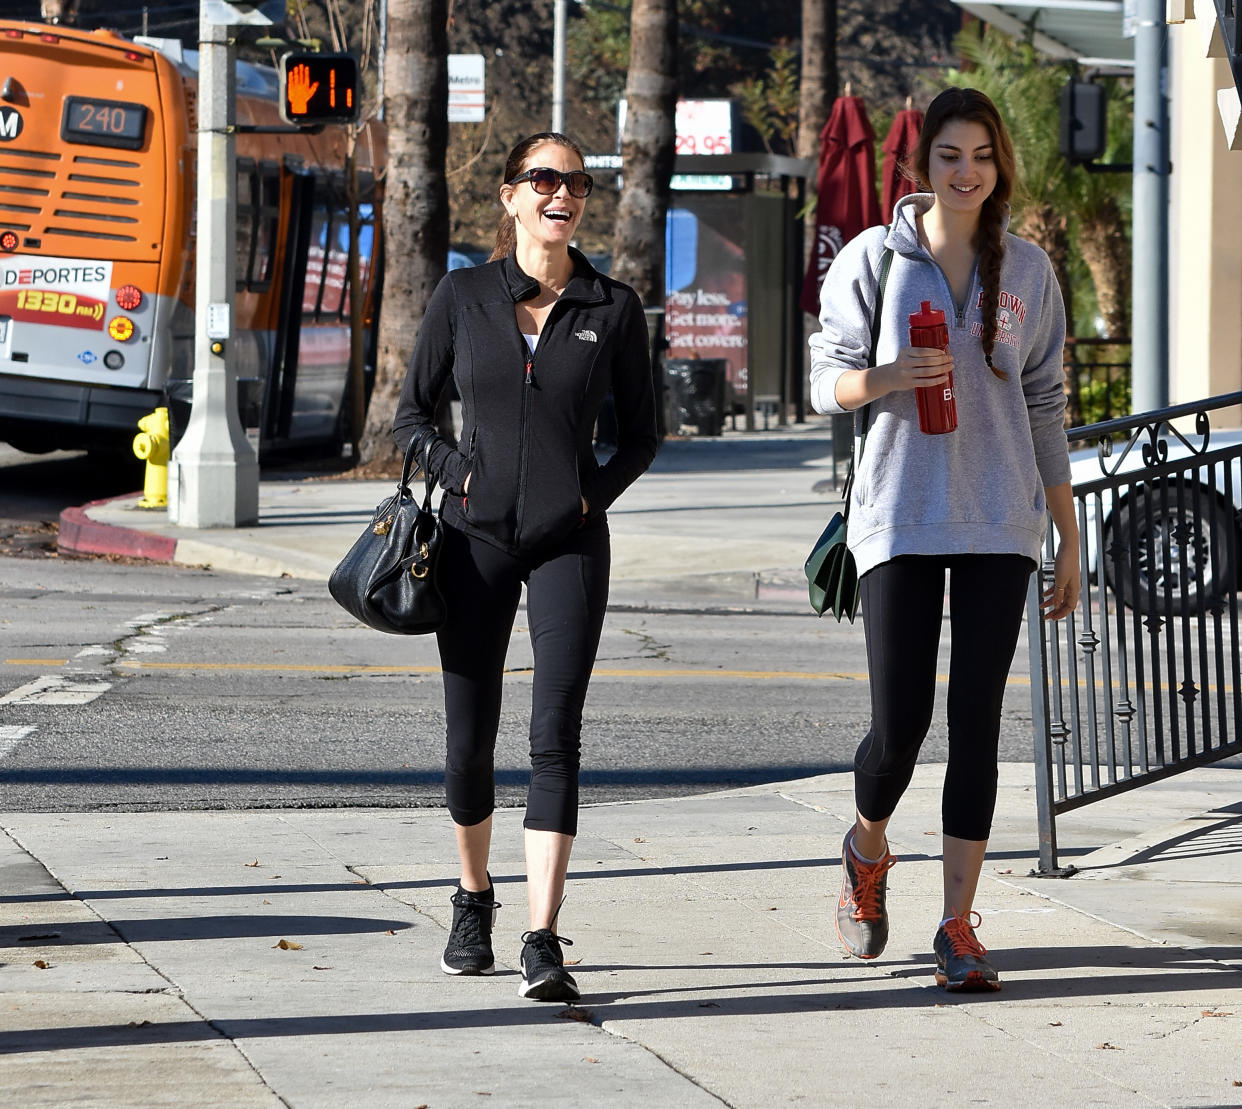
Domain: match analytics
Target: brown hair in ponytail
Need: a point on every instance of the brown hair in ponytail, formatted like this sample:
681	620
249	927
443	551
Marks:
989	241
506	235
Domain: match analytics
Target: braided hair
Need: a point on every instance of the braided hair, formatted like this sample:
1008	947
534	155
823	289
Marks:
989	238
506	233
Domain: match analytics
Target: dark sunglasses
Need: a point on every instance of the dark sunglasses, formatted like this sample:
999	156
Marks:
546	181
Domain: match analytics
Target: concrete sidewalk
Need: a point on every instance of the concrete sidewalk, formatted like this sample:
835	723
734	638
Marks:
733	515
143	961
141	957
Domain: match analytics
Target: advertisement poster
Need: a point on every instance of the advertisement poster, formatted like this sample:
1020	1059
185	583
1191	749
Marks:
705	281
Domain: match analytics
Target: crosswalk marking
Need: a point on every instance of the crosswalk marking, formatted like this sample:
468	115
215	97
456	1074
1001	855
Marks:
53	689
11	735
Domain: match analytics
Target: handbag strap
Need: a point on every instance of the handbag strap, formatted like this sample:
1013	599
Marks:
407	469
886	263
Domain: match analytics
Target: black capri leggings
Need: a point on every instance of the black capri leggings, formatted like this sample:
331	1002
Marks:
566	596
903	602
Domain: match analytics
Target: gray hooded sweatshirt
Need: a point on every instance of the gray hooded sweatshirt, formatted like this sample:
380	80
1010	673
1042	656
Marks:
979	489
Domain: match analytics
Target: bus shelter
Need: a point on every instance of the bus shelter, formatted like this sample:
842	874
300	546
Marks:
734	260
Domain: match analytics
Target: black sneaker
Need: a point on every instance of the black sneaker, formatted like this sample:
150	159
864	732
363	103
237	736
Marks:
960	961
862	917
469	949
544	977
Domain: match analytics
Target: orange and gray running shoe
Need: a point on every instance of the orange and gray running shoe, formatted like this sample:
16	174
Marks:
862	919
960	958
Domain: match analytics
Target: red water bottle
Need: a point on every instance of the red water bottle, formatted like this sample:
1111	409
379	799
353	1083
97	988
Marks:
937	408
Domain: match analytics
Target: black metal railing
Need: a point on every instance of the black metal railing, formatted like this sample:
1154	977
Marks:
1097	379
1144	679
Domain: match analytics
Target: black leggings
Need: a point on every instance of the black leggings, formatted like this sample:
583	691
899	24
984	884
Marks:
566	595
903	603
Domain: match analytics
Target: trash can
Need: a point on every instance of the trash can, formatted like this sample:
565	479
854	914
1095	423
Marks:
696	395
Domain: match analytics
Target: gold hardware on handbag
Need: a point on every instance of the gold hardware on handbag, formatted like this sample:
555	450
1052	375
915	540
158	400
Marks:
404	534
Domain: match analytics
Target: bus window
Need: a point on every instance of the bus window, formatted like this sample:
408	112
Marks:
366	246
246	216
336	271
315	258
269	219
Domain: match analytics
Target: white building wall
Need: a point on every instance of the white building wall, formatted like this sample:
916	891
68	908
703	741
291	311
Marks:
1205	228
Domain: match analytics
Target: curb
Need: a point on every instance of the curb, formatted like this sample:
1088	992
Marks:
79	533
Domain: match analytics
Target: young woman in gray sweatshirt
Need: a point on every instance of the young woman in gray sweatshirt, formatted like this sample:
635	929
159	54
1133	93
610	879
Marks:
972	502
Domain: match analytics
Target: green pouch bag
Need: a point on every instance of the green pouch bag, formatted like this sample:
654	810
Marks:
831	573
832	577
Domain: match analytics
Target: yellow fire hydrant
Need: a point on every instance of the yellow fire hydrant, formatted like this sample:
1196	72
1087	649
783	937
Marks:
153	447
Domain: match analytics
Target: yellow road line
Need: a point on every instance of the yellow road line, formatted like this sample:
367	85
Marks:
602	672
36	661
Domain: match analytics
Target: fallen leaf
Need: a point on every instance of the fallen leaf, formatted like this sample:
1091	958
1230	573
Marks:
322	968
1216	1013
706	952
253	864
138	1023
1106	1046
771	909
273	877
1237	1081
574	1013
1054	1024
589	1059
1007	870
572	962
42	964
266	901
638	839
288	945
931	833
390	932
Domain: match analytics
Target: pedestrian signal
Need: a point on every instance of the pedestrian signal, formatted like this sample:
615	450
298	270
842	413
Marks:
319	88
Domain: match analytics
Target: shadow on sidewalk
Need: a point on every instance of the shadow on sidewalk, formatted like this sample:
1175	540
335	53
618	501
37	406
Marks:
1161	970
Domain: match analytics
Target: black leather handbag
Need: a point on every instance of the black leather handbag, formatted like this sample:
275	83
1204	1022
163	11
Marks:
388	579
831	574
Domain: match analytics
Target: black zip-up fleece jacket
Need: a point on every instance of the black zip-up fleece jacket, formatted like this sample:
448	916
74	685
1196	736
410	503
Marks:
528	420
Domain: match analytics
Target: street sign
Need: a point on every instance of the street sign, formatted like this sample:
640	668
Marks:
319	88
466	102
236	13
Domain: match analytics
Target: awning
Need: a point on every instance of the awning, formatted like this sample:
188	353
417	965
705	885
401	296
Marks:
1088	31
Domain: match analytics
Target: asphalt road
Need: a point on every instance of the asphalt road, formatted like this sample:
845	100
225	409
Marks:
133	685
148	686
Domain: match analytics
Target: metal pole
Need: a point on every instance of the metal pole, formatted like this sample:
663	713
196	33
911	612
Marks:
214	473
558	66
1150	314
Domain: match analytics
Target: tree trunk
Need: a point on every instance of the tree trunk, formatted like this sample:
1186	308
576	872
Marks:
1105	248
1045	226
647	149
416	208
819	73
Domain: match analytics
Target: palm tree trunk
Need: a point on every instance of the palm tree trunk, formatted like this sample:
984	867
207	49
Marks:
1106	250
416	208
819	73
647	149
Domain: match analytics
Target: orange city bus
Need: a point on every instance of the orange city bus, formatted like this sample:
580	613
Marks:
97	187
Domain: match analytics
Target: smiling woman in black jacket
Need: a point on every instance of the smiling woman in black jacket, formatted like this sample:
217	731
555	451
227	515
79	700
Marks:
534	341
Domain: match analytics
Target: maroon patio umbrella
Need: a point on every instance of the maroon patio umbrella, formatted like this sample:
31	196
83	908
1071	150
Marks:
847	202
902	137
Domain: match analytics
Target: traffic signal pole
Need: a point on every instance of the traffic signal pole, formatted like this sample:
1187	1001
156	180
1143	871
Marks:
213	478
